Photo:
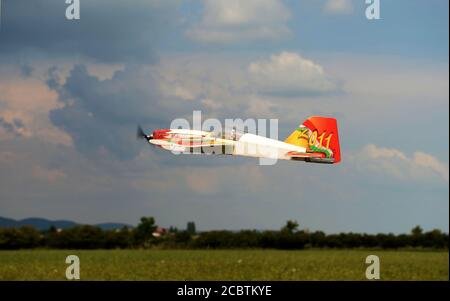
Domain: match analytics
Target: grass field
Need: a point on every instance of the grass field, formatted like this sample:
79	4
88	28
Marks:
223	265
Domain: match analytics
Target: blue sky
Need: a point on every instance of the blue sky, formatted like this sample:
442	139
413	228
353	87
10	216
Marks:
416	29
72	92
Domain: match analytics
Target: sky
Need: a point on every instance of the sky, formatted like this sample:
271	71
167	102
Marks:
73	91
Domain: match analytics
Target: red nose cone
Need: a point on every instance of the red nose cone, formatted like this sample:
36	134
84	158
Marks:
160	134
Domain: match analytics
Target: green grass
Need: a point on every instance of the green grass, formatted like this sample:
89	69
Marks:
223	264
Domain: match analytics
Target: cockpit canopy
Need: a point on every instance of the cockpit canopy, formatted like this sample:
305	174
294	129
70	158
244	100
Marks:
228	134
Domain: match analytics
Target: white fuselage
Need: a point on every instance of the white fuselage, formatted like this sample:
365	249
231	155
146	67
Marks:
251	145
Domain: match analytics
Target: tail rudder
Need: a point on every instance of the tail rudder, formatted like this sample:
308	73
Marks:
318	135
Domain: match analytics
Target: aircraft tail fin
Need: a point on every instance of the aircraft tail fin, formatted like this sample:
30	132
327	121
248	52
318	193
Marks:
319	136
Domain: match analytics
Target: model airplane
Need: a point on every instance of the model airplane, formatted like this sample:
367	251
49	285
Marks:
315	140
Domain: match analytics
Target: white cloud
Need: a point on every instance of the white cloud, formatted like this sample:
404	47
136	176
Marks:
288	73
212	82
395	163
427	161
229	85
227	21
338	7
24	107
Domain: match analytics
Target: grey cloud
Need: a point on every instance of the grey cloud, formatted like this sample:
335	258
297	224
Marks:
18	123
6	125
103	114
107	30
13	127
26	70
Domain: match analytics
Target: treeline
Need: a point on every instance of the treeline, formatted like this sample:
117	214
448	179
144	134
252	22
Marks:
146	235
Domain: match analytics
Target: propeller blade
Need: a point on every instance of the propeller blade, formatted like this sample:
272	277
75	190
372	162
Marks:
140	134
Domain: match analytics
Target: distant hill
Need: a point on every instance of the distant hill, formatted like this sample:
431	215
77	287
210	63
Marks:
44	224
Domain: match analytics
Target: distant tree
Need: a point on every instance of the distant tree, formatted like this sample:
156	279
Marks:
434	239
24	237
246	239
144	231
9	238
268	239
289	237
417	236
191	228
290	227
173	229
125	229
317	239
79	237
118	239
52	229
403	240
30	237
182	237
387	241
417	231
215	239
